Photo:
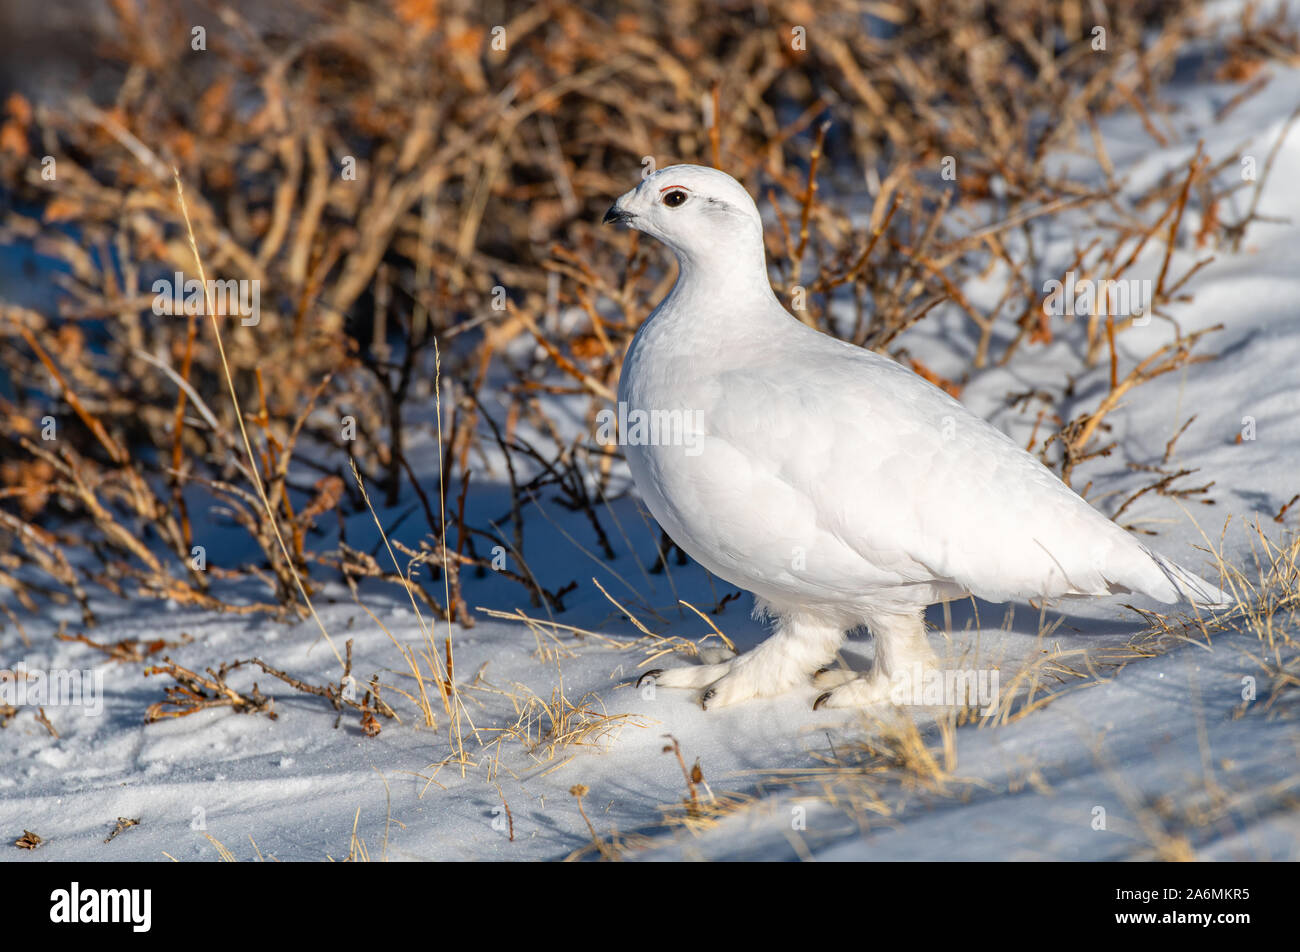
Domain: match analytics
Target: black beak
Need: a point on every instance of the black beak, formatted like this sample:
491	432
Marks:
615	214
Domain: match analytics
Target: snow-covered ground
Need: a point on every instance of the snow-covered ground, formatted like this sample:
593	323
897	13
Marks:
1145	753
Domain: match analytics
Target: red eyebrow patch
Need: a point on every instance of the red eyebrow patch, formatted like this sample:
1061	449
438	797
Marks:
667	187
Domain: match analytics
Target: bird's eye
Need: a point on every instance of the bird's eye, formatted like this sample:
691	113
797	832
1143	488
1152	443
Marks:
674	198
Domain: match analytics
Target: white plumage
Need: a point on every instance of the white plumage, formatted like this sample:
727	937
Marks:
837	486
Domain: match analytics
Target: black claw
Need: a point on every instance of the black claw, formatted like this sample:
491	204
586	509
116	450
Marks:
821	700
820	671
653	673
706	697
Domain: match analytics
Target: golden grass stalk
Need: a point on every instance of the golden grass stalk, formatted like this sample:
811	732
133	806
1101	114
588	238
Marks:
254	471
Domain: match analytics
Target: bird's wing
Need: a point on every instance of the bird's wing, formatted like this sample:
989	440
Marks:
915	484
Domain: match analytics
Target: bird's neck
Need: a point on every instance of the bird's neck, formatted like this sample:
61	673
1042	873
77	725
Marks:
725	281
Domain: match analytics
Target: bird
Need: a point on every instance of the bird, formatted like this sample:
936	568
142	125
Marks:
837	486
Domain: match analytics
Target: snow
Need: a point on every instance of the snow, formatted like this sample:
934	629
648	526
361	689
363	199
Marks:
1165	745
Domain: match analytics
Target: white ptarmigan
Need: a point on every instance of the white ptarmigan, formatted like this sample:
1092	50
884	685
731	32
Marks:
838	487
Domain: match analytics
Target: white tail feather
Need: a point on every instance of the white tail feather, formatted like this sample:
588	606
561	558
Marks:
1192	587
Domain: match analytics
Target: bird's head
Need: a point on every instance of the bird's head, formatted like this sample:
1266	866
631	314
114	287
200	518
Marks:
698	212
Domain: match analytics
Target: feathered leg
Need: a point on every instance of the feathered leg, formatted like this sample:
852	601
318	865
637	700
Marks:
900	644
799	646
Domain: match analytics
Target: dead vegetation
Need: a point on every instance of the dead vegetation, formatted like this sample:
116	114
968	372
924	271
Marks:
607	850
1266	612
546	726
194	692
384	204
123	823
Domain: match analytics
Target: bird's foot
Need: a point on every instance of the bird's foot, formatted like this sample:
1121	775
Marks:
743	677
850	689
828	678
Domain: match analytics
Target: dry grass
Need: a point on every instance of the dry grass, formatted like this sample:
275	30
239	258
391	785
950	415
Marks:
547	726
610	847
1267	609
